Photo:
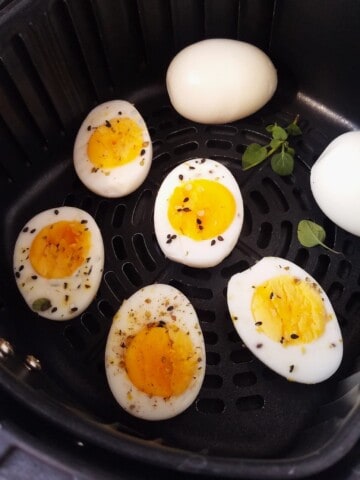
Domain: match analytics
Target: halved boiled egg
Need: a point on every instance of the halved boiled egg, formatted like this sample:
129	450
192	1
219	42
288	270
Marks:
113	150
198	213
155	353
286	319
58	262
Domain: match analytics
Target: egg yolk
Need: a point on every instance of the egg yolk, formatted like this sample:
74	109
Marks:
201	209
161	361
289	310
116	143
60	248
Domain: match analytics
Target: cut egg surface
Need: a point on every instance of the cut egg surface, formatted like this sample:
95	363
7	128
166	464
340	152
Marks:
155	353
58	262
286	320
113	151
198	213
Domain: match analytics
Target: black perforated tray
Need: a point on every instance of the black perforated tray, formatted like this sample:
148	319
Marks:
247	421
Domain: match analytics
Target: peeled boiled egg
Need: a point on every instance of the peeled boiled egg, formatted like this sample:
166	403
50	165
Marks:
113	150
335	181
286	319
220	80
198	213
155	353
58	262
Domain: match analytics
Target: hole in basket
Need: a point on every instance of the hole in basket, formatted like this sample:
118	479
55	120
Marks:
143	206
348	247
210	338
118	217
286	237
321	267
219	144
119	247
196	273
72	334
210	405
90	323
143	252
274	190
344	269
182	134
352	307
259	201
206	316
303	201
221	130
213	381
238	267
335	291
191	290
265	233
244	379
302	257
185	148
234	337
252	402
248	223
242	355
113	283
164	157
132	274
212	358
106	309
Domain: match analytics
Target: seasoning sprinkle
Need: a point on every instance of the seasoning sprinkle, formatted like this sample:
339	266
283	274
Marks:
107	124
213	242
258	324
25	229
291	368
259	345
294	336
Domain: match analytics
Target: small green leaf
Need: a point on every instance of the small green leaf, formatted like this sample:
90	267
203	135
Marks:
290	151
293	129
310	234
282	163
41	305
275	143
279	133
269	128
253	155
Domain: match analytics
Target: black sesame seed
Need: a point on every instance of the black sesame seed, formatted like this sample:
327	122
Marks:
191	167
33	230
282	340
181	177
271	295
56	212
220	238
258	324
120	113
173	237
291	368
186	199
294	336
89	128
203	160
186	209
74	309
83	222
198	221
17	274
142	152
26	229
259	345
21	268
54	309
107	124
170	308
213	242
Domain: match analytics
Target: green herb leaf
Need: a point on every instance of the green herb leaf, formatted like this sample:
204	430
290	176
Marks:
275	143
310	234
253	155
293	129
279	133
282	163
269	128
41	304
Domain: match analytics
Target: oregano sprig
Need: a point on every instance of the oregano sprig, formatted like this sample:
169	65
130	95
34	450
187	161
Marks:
310	234
282	155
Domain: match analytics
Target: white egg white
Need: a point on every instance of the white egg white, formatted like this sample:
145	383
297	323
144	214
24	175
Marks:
62	298
220	80
183	249
308	363
131	318
118	181
335	181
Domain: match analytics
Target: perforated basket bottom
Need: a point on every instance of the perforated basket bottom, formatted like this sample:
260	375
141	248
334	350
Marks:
243	408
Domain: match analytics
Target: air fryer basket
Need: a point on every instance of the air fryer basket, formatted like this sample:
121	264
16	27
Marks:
60	58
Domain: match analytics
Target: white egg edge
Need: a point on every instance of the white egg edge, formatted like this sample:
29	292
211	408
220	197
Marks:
115	183
283	358
194	250
120	383
52	289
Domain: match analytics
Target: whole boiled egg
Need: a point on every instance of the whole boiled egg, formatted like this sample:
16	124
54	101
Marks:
198	213
113	150
335	181
220	80
155	354
58	262
286	320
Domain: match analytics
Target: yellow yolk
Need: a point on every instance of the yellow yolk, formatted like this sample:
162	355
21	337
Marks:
116	143
161	360
59	249
201	209
289	310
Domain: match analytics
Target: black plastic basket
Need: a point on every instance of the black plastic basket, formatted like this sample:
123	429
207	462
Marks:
60	58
